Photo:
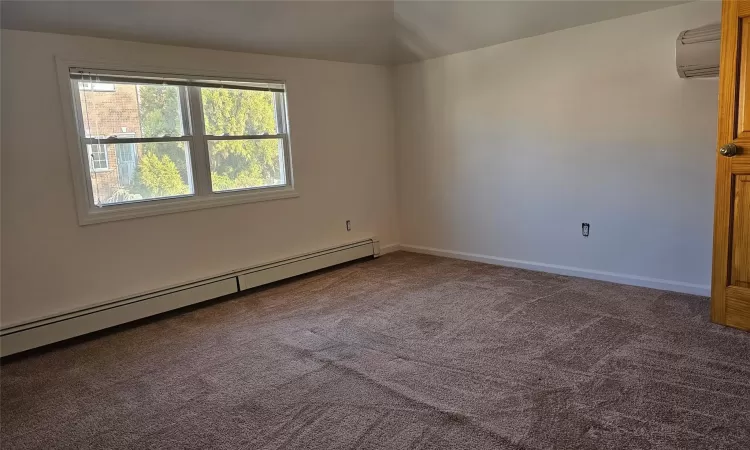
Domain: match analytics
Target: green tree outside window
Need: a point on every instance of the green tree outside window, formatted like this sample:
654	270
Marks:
235	164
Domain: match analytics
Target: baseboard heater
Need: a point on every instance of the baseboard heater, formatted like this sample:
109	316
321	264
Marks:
28	335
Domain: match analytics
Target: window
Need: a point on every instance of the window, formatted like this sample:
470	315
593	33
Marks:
158	143
245	148
98	157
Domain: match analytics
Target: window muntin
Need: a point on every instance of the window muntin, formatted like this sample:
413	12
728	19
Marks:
238	138
98	159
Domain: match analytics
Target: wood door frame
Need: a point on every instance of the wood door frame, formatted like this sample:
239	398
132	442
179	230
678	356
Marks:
732	11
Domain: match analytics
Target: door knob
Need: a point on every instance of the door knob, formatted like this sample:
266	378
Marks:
729	149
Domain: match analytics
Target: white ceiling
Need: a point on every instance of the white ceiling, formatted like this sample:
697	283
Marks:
378	32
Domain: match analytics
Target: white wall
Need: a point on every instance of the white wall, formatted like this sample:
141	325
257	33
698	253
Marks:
341	118
502	153
506	150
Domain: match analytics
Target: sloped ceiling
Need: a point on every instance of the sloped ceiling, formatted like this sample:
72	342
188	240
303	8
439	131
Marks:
376	32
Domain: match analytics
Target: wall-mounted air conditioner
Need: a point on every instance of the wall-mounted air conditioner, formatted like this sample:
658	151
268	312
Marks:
698	52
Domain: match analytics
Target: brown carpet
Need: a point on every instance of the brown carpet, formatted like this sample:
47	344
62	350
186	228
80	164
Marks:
406	351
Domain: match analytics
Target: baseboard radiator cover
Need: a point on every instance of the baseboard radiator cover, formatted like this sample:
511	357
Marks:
28	335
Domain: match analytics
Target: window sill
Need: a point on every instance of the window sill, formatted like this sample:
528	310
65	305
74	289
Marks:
181	204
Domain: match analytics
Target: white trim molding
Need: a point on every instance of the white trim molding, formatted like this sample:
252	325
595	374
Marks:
390	248
620	278
196	141
185	203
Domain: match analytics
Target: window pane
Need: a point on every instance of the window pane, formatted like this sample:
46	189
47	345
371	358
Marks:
246	163
240	112
98	157
142	110
138	172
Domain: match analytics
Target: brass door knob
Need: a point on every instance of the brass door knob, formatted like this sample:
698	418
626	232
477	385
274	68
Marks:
729	149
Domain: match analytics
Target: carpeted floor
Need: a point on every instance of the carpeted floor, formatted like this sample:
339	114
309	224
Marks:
406	351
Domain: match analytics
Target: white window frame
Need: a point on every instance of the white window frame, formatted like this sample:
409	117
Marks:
203	197
90	153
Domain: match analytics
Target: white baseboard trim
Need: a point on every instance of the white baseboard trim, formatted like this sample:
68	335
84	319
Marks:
633	280
390	248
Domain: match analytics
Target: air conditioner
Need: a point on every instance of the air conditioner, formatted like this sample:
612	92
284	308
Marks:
698	52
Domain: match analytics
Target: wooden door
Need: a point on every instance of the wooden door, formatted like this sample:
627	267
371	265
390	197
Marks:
730	287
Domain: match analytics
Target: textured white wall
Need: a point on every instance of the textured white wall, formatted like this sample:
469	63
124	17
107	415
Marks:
342	129
506	150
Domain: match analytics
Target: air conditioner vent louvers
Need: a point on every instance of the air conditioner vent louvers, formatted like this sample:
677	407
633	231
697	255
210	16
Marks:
700	73
702	34
697	52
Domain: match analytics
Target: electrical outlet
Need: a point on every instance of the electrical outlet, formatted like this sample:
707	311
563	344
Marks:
348	225
585	229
